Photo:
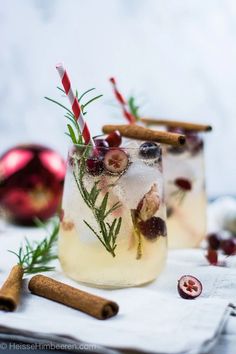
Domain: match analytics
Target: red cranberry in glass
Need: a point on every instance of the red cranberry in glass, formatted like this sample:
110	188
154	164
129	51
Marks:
153	228
94	165
31	181
114	139
183	183
194	142
101	145
116	161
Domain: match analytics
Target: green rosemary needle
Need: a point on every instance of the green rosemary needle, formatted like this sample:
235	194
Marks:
107	231
34	256
73	129
134	109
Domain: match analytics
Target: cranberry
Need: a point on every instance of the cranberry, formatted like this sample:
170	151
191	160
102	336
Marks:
153	227
101	146
213	241
228	247
189	287
194	142
149	150
116	161
114	139
94	165
183	184
212	256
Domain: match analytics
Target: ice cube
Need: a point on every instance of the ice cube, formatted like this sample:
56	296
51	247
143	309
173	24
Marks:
130	143
131	147
136	182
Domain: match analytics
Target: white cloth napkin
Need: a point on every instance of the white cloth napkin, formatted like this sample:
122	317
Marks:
152	318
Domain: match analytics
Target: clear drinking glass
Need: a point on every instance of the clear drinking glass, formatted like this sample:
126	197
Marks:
185	192
113	230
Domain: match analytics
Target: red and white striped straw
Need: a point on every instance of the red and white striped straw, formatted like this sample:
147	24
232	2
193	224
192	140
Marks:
74	105
122	102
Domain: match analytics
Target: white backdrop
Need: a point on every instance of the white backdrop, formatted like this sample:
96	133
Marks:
177	57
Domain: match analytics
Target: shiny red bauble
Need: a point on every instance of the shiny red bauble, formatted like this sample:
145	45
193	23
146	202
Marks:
31	182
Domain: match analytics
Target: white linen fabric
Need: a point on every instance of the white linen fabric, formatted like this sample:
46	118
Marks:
152	318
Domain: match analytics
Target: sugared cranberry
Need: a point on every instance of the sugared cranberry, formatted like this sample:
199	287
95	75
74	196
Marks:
183	183
153	227
228	246
213	241
94	165
149	150
114	139
116	161
212	256
189	287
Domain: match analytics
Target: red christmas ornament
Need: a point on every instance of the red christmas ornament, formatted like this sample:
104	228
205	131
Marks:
31	181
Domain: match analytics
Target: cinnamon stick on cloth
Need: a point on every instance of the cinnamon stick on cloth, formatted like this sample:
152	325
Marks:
134	131
178	124
11	289
93	305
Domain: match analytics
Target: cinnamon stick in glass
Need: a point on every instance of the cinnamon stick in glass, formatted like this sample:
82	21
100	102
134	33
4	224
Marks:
141	133
11	289
93	305
178	124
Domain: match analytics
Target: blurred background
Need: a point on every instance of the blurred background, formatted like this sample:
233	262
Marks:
177	57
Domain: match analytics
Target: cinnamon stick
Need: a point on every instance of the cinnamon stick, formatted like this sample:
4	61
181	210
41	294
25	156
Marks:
178	124
93	305
141	133
11	289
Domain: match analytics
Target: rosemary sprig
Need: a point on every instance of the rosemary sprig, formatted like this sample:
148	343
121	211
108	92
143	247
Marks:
137	235
108	232
34	256
134	109
74	130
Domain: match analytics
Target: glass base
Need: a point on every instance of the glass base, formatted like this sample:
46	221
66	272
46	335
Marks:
111	286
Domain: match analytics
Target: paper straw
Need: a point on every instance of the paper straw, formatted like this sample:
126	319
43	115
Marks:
75	105
122	102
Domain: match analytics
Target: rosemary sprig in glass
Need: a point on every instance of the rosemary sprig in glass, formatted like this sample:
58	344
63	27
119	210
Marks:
134	108
73	127
108	232
34	256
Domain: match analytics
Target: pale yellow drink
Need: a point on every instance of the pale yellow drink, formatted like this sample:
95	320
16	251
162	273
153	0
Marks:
185	193
184	180
140	244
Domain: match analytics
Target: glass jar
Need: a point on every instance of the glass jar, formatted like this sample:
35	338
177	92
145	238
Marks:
113	231
185	192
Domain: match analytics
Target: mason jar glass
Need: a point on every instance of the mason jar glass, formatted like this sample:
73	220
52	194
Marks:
185	192
113	225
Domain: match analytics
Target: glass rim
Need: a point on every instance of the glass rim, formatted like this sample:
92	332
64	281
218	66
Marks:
122	146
